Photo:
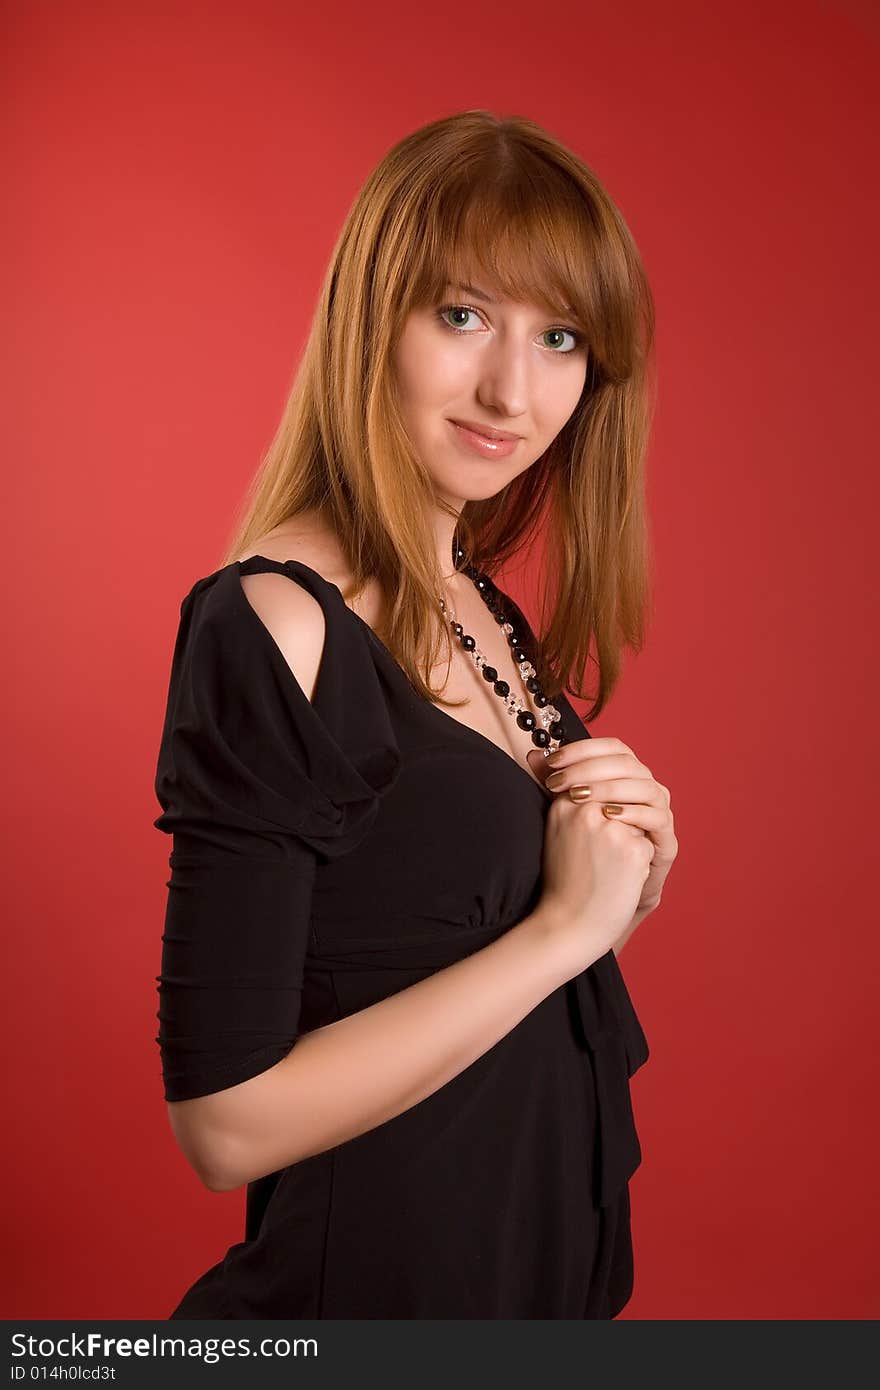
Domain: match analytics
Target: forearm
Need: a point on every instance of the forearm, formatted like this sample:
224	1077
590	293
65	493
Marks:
349	1076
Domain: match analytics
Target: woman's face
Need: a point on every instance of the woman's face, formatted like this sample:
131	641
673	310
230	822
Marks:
500	364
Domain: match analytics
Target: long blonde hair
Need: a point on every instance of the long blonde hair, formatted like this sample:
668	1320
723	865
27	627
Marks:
477	193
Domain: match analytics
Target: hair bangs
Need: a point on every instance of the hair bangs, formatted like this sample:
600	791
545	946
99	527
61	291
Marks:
512	237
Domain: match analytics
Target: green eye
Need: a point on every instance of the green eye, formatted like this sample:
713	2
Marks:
560	332
452	309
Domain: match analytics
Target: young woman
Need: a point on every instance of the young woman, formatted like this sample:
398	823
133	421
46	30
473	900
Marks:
390	1003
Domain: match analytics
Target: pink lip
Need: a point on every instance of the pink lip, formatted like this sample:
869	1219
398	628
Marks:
481	444
486	430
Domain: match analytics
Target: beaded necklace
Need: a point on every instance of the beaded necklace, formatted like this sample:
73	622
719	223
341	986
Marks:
550	736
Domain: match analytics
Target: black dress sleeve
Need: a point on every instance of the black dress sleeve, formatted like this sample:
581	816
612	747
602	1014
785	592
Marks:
258	786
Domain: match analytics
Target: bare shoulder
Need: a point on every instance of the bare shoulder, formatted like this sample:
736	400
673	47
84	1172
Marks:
293	617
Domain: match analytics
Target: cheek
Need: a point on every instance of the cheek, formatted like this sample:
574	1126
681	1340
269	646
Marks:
438	374
429	370
559	400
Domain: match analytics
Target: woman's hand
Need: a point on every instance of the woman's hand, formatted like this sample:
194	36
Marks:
616	778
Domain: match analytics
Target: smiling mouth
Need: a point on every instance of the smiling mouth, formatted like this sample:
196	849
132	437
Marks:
487	432
481	445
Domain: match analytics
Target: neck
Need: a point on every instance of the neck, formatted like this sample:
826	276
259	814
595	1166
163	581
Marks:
444	530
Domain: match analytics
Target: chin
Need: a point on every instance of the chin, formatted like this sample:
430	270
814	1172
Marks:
463	490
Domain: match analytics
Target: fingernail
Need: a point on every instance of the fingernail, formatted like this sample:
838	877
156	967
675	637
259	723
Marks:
555	780
579	793
611	810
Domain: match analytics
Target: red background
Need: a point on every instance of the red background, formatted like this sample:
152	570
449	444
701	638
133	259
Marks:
174	186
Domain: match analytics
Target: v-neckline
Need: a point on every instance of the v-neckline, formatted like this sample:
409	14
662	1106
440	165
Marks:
466	729
448	718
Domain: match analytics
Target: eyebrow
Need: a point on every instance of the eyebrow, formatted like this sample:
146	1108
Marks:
478	294
487	299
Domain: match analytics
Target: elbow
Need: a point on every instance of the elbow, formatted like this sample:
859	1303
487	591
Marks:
215	1172
219	1182
204	1146
222	1134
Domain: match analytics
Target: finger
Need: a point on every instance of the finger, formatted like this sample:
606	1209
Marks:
595	769
654	820
625	789
589	749
641	819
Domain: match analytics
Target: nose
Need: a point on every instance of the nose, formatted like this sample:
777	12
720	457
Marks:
503	385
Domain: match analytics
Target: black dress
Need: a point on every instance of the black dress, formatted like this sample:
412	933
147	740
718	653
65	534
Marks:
327	854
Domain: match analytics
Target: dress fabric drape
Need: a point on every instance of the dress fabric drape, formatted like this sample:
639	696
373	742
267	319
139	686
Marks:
325	855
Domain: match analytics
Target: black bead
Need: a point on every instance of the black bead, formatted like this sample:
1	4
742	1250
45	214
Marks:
541	737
